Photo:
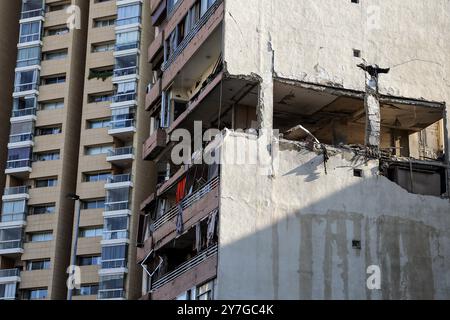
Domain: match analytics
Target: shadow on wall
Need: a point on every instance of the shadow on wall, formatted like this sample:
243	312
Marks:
301	236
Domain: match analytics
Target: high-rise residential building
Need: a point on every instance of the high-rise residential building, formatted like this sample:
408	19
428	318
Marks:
80	76
110	180
328	121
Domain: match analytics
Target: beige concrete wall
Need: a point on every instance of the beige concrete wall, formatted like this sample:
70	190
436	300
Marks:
289	235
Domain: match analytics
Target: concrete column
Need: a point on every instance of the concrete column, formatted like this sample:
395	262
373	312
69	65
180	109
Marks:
373	114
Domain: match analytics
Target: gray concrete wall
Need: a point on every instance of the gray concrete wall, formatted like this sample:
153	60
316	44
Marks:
313	41
289	236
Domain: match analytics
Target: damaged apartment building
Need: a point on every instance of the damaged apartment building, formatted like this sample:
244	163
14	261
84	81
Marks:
357	179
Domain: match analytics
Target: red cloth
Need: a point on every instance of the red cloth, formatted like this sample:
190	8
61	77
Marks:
181	189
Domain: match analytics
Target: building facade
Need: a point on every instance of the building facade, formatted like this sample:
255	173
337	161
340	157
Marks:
75	126
329	140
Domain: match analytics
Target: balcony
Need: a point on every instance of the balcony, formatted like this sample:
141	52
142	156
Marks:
18	168
123	129
29	14
13	219
28	112
11	247
124	99
117	208
111	294
195	207
193	272
121	73
21	140
153	96
127	22
119	181
127	46
115	236
155	145
121	157
9	276
25	88
16	193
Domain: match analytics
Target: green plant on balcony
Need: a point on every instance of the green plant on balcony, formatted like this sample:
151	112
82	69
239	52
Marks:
103	74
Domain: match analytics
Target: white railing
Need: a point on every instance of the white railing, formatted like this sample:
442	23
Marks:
186	203
8	273
15	190
10	244
32	13
121	152
119	178
185	267
117	206
111	294
24	112
125	71
17	164
116	235
114	263
12	217
23	137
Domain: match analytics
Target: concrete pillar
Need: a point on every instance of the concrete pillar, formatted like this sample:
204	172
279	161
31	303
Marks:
373	114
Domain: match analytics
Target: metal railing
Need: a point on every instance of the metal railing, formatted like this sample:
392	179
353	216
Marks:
117	206
185	267
16	190
17	164
12	217
8	273
183	44
24	112
16	138
25	87
121	152
122	97
114	263
121	124
119	178
127	46
130	20
11	244
32	13
28	62
186	203
116	235
125	71
111	294
30	38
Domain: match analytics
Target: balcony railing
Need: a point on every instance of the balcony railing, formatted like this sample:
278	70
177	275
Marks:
32	13
116	235
117	206
12	217
185	267
114	264
15	190
125	71
30	38
111	294
183	44
25	87
186	203
121	152
17	138
119	178
125	21
122	97
121	124
17	164
24	112
127	46
11	244
9	273
28	62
